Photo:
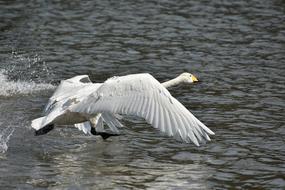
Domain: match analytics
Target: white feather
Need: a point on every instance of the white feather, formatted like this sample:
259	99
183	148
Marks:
85	127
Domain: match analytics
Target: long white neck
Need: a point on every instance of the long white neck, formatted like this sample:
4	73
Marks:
173	82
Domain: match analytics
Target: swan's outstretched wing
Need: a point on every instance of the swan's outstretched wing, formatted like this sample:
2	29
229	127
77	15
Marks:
72	91
143	96
68	88
69	91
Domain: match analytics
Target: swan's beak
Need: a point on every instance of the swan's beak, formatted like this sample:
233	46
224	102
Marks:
194	79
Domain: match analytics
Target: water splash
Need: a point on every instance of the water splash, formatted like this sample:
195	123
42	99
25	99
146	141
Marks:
24	74
20	74
26	67
5	135
10	88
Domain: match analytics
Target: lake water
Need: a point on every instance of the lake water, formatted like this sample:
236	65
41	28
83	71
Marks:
235	48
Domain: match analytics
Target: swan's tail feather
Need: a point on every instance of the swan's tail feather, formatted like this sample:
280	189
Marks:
40	128
37	123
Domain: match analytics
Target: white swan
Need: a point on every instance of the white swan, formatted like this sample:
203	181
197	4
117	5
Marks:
87	105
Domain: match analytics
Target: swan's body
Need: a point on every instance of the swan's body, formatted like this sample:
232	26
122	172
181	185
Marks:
87	105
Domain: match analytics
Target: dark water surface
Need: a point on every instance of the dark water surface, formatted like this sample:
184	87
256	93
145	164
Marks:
236	48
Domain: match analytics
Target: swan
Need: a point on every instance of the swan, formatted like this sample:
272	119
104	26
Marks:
86	105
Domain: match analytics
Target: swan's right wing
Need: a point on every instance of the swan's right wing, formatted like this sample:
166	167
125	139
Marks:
144	96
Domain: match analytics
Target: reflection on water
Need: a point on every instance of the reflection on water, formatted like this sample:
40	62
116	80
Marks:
236	49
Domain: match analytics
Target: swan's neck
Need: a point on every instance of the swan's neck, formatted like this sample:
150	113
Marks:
172	82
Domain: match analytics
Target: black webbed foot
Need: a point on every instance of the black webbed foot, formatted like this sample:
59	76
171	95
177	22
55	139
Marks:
104	135
44	130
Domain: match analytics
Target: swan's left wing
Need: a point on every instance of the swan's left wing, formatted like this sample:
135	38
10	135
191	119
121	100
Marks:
142	95
70	91
73	87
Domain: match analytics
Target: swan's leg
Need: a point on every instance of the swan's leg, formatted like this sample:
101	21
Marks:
104	135
44	130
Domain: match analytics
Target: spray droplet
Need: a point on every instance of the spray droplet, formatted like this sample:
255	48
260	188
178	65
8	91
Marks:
4	138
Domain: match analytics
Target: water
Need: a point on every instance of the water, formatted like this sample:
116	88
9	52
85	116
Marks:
236	49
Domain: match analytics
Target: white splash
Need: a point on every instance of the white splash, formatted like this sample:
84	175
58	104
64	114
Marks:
4	138
10	88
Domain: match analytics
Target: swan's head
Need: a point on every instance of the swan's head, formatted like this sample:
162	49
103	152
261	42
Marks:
188	78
